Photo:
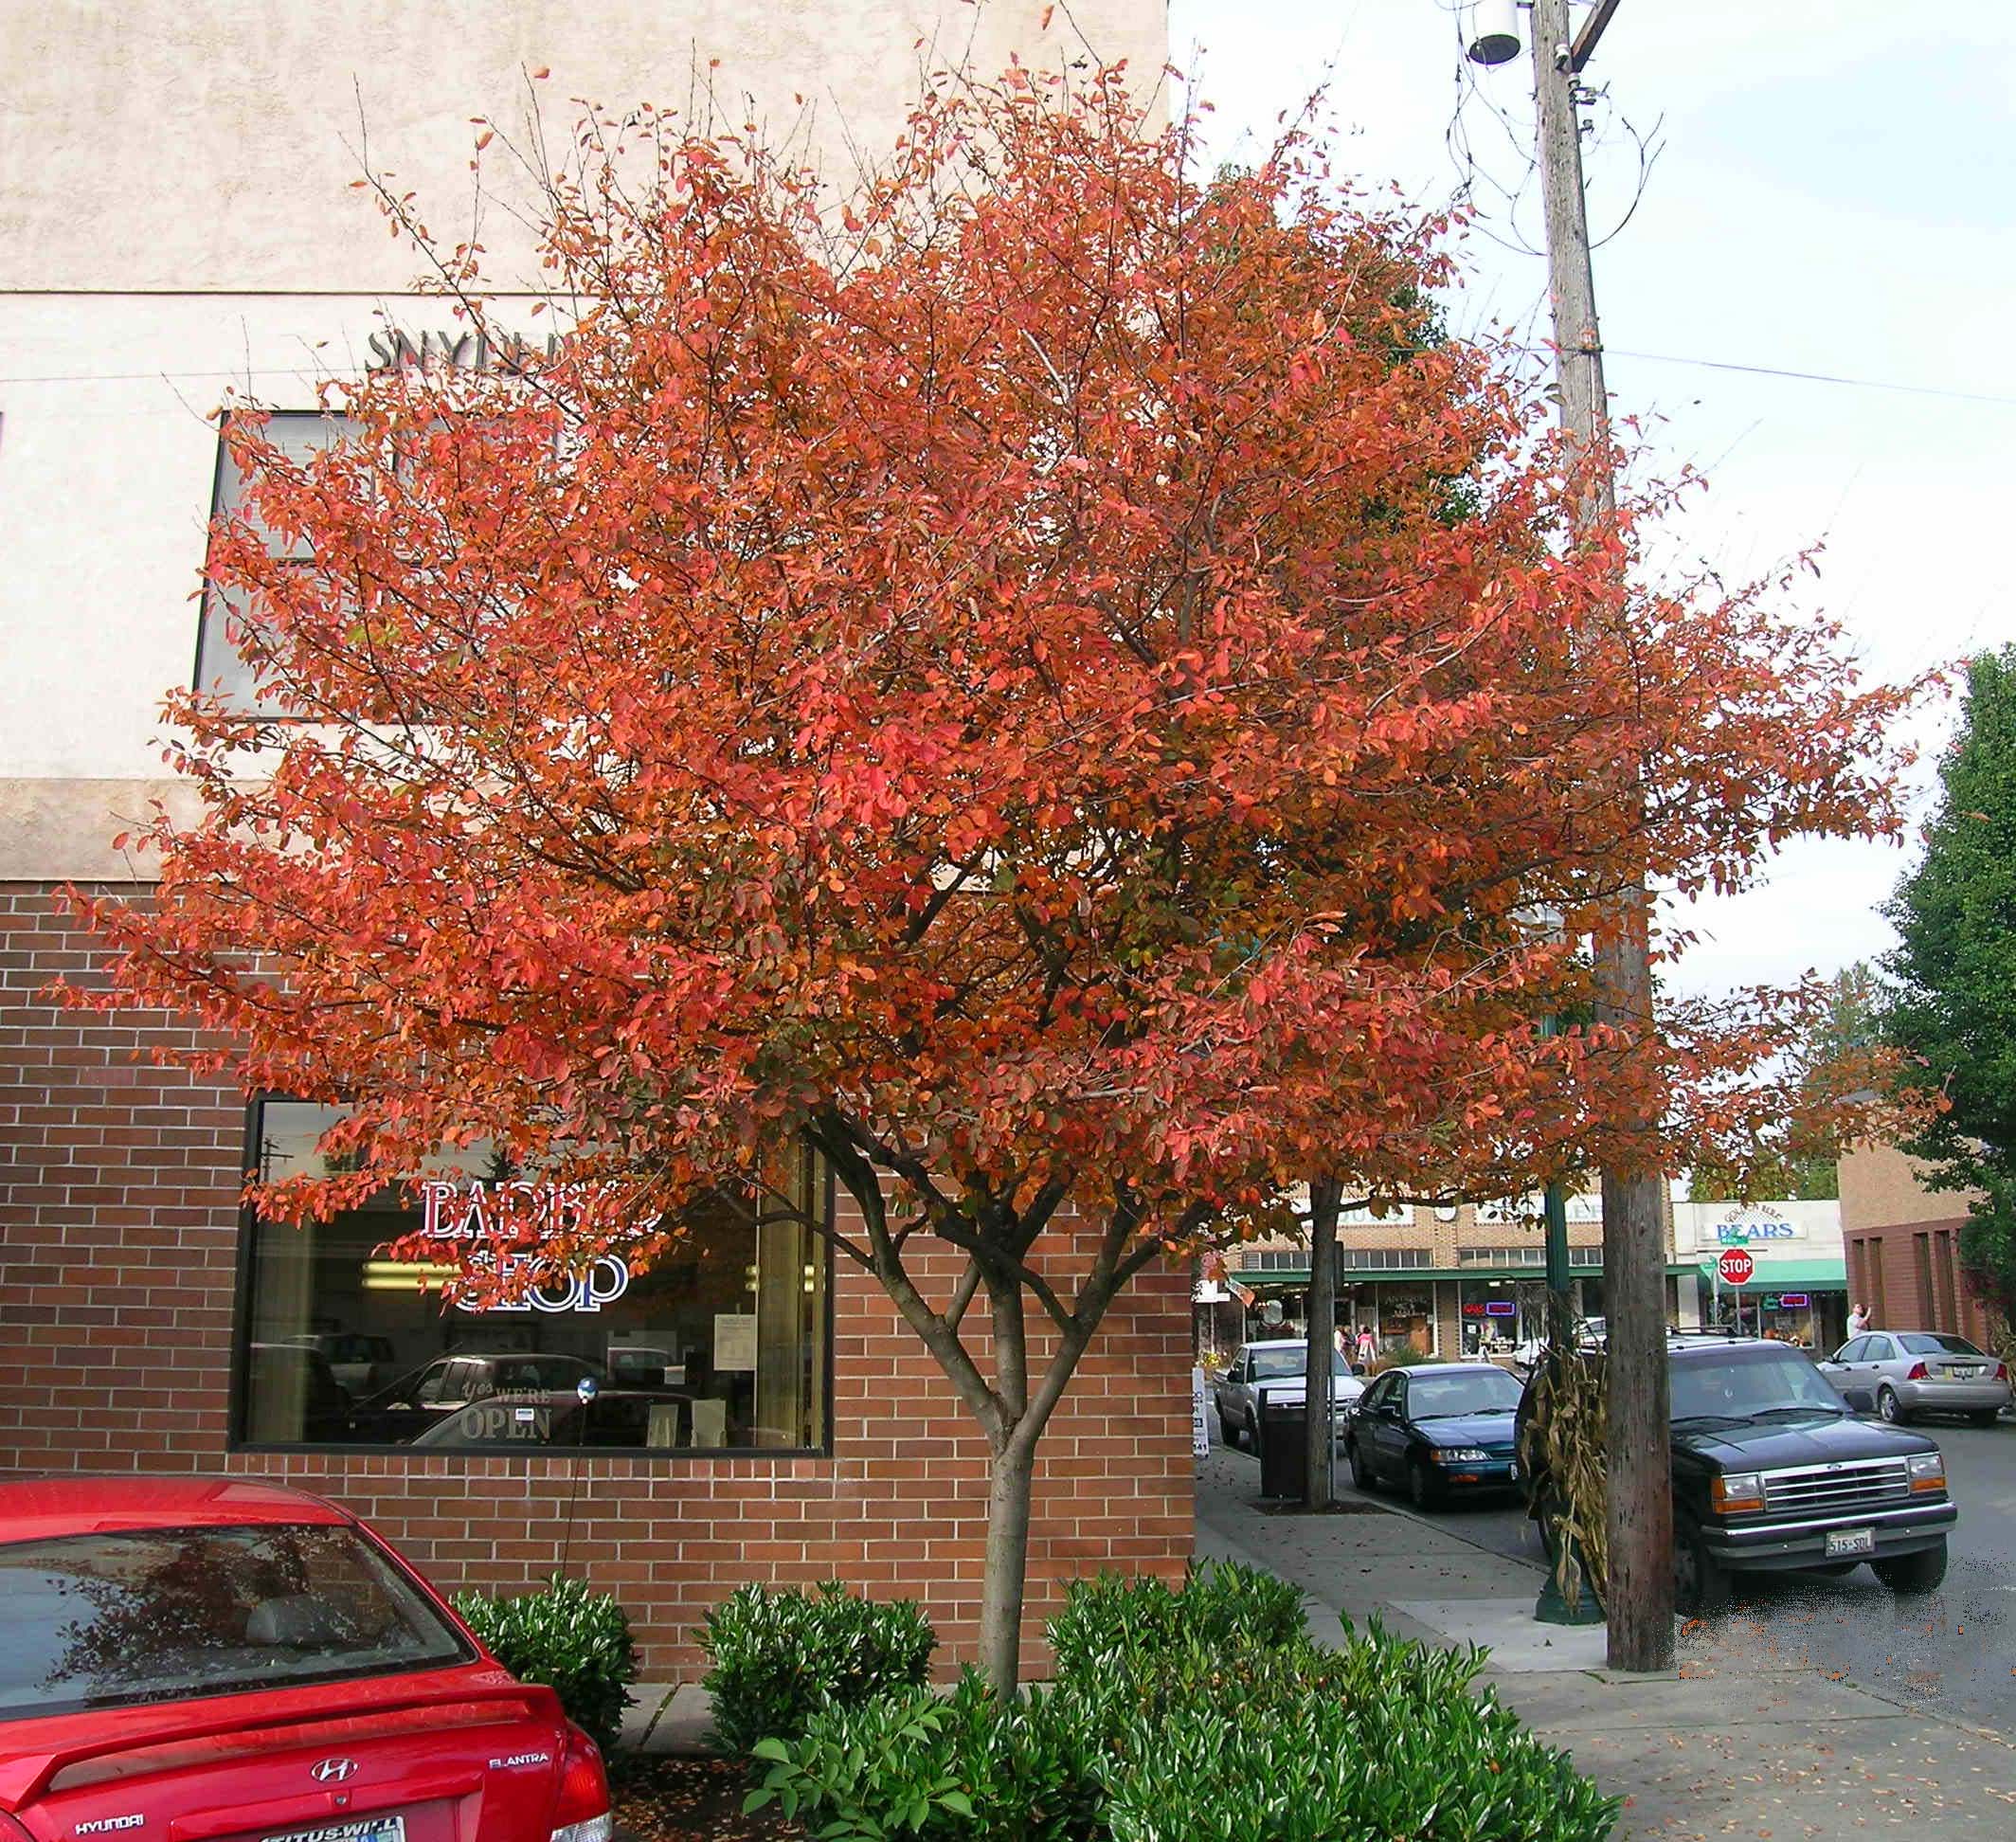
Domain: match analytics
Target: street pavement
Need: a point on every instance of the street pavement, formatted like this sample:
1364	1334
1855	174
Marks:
1752	1737
1953	1652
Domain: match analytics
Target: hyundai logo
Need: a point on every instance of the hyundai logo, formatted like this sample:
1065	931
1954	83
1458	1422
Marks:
332	1771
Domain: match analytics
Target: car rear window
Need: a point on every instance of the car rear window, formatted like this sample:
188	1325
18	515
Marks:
108	1619
1929	1343
1280	1364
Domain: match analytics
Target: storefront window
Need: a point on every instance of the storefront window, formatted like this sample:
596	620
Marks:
719	1346
1498	1315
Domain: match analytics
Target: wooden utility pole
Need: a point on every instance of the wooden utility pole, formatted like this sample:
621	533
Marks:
1640	1602
1319	1444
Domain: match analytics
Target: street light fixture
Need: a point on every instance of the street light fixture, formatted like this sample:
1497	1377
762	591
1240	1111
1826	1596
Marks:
1494	32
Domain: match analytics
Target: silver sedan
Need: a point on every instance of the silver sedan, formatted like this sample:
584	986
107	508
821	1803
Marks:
1912	1372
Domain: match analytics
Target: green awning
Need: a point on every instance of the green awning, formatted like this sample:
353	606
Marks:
1790	1276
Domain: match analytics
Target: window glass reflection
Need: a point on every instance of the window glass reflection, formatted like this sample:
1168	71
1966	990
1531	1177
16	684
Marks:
718	1346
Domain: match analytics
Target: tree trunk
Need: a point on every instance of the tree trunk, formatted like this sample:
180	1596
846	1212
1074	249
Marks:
1325	1195
1001	1601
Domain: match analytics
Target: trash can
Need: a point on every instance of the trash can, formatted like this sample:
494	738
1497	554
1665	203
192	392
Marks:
1281	1455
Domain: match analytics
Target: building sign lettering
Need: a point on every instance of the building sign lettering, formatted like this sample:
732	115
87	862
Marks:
458	349
523	1214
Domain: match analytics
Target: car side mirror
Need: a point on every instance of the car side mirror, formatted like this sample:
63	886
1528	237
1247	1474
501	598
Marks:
1860	1400
1357	1368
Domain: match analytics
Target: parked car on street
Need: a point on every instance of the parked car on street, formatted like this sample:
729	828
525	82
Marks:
1772	1470
213	1658
361	1364
1436	1430
1277	1370
1912	1372
430	1394
614	1417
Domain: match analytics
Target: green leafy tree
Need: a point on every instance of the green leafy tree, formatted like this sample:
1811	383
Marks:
1951	1001
1836	1053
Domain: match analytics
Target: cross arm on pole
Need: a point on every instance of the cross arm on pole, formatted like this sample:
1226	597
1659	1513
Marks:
1592	29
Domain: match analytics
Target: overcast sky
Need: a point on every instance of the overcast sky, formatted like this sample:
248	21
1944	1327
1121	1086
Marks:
1834	196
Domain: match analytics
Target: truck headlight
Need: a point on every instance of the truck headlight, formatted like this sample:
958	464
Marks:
1928	1472
1737	1492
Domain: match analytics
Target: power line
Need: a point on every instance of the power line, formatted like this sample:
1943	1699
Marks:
1615	352
1811	378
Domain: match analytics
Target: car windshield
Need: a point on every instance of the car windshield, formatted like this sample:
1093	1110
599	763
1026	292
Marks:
1929	1343
109	1620
1290	1359
1750	1387
1469	1390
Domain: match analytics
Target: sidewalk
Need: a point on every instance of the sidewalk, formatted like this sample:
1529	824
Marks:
1742	1747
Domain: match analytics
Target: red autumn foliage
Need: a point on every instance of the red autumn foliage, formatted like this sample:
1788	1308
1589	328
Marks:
1050	683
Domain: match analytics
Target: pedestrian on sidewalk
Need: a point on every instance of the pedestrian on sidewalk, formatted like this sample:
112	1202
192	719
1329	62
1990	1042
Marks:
1858	1320
1368	1345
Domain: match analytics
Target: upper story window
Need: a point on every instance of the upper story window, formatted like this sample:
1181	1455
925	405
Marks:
223	661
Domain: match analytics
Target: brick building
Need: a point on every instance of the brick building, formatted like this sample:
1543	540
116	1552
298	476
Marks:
1904	1247
786	1426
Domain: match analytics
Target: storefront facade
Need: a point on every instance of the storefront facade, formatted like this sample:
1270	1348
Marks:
1456	1282
1798	1288
760	1413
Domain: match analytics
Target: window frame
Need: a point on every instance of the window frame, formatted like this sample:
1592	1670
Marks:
263	710
238	1393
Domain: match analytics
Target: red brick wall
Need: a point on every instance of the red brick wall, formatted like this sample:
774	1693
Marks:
119	1228
1884	1273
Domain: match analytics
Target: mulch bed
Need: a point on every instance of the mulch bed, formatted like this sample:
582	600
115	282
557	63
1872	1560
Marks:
668	1799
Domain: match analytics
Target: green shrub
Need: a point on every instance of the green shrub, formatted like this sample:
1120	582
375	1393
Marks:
1203	1715
1221	1603
1374	1743
961	1769
779	1656
575	1641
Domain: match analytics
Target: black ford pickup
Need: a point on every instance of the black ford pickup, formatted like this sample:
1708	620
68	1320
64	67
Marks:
1772	1470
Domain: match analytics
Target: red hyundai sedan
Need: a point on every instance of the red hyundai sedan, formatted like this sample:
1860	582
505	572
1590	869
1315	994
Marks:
192	1660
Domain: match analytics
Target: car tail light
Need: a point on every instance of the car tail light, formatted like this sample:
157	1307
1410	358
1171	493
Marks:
1918	1373
11	1831
2002	1371
581	1813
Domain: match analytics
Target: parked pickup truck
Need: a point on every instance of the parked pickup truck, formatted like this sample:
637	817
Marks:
1772	1470
1279	1371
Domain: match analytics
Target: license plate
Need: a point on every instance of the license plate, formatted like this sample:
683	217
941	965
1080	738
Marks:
1851	1540
368	1828
1967	1374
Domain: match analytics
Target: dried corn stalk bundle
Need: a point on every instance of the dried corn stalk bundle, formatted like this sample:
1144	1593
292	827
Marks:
1562	1444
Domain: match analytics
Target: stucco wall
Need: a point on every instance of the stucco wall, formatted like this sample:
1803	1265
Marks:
176	218
178	144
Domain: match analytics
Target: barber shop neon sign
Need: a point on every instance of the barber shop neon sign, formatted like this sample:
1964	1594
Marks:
516	1214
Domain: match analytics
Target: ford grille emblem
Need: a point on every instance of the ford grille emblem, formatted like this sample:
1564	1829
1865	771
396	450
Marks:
332	1771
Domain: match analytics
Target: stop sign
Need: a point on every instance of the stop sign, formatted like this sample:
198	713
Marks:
1736	1267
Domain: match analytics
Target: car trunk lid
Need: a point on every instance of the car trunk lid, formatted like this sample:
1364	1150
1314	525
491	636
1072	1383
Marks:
425	1768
